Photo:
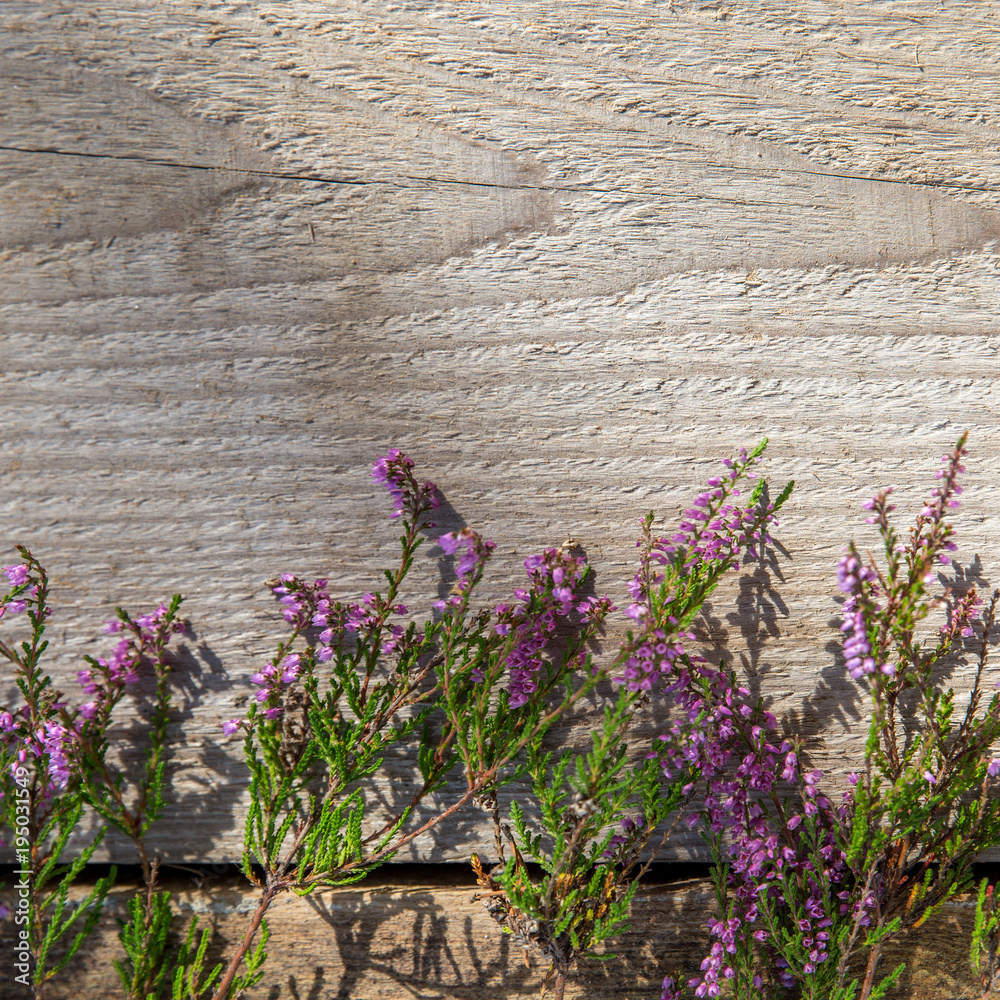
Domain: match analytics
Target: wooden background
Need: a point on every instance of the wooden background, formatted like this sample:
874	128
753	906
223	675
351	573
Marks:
565	255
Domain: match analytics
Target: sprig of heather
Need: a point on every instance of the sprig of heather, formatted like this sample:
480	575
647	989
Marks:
598	810
42	787
677	573
352	681
309	737
782	882
394	471
717	724
806	888
923	810
56	756
712	537
132	803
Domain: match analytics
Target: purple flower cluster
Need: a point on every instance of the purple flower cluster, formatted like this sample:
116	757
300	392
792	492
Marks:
49	733
53	738
772	861
961	615
58	746
50	741
476	552
656	657
393	471
551	596
302	605
306	605
17	600
672	989
623	848
930	539
299	599
362	618
711	531
860	583
272	677
108	675
931	533
942	495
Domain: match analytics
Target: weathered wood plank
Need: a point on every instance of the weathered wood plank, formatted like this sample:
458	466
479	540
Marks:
565	256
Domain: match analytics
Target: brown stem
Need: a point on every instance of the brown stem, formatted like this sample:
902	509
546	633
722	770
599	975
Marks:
150	874
847	947
873	957
560	987
496	829
268	897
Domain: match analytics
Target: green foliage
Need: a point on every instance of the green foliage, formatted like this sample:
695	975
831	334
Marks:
62	918
986	938
598	810
588	879
477	693
43	793
143	970
189	980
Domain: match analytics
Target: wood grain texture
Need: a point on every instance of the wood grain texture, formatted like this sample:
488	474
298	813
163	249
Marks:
566	256
428	938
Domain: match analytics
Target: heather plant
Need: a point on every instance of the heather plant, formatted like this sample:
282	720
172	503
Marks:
131	804
42	795
354	681
810	891
598	810
55	761
922	811
809	887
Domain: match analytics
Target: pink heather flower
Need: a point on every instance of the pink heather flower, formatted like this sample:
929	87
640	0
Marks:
477	551
290	667
58	742
595	609
993	768
153	618
230	726
87	682
392	471
554	575
300	601
672	990
17	575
